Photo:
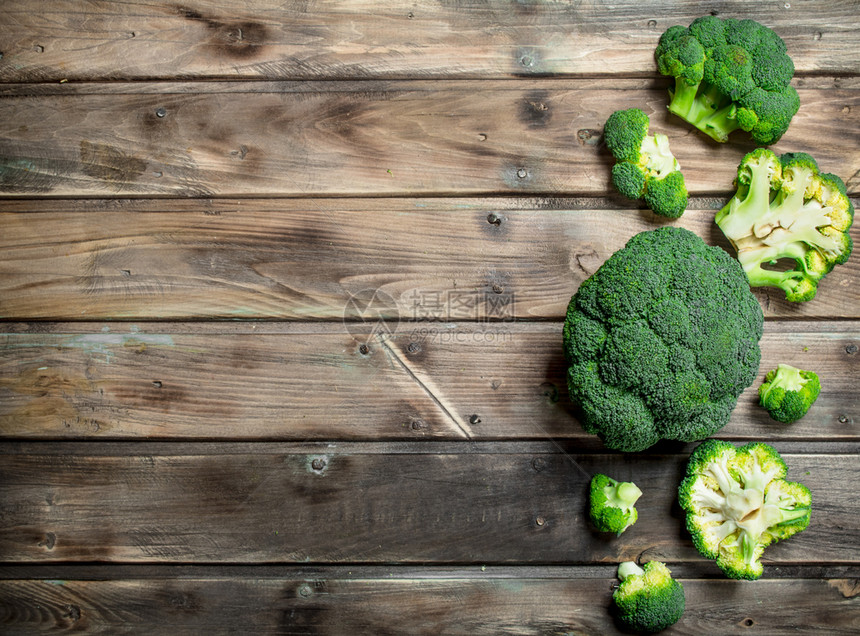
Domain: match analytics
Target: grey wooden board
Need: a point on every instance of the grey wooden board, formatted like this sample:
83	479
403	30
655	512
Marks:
339	503
481	605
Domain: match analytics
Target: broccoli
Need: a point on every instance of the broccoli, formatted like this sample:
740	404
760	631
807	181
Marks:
648	599
729	74
784	208
661	340
788	392
645	167
738	502
611	504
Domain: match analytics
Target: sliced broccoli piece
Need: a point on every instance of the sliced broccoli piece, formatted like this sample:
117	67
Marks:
729	75
611	504
645	167
648	599
738	502
784	208
788	392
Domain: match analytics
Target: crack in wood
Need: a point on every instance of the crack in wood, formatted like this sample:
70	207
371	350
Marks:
461	425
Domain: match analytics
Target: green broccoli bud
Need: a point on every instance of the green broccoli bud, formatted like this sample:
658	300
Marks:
645	167
738	502
788	392
611	504
667	196
784	208
729	75
648	599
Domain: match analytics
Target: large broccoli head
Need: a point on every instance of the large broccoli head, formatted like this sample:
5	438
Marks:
661	341
729	74
738	502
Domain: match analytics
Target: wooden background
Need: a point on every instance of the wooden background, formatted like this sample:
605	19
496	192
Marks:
203	428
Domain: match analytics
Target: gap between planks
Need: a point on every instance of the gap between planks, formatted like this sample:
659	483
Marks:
323	327
545	447
398	571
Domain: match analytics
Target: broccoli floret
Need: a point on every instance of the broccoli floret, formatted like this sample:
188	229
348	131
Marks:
784	208
644	168
611	504
788	392
648	599
738	502
661	340
729	75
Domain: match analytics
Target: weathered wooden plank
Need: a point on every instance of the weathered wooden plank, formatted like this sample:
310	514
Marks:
411	138
382	571
295	507
490	381
439	259
453	606
362	38
244	87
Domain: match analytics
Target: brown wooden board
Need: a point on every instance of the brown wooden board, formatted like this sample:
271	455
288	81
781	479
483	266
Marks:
478	605
436	259
257	382
341	504
205	429
402	38
398	138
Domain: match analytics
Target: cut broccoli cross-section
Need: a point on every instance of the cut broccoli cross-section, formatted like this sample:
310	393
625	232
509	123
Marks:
784	208
738	502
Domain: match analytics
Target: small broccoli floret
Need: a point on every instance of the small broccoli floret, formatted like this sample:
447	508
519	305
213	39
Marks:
611	504
645	167
788	392
729	75
738	502
784	208
661	340
648	599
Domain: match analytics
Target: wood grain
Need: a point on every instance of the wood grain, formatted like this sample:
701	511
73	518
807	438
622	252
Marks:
438	259
481	605
205	428
361	38
315	506
403	139
492	381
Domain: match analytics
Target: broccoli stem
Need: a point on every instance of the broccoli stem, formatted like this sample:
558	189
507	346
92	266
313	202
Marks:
787	378
628	569
628	493
704	107
766	517
737	219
